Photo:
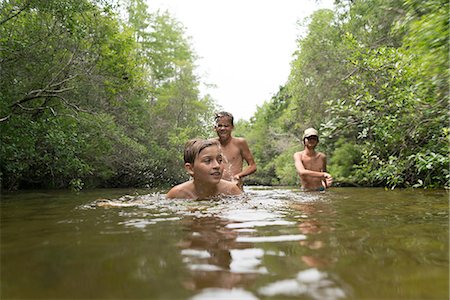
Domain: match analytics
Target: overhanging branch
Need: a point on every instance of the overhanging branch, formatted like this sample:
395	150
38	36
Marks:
15	13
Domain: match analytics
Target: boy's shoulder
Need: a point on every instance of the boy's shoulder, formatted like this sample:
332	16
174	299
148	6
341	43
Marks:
299	153
317	155
182	190
321	154
228	188
239	141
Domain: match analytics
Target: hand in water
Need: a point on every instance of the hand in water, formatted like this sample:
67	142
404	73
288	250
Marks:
237	180
328	179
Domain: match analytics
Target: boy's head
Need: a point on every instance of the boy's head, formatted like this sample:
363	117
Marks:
193	148
224	114
203	161
224	125
310	133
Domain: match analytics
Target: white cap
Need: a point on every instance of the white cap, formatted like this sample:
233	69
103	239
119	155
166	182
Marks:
309	132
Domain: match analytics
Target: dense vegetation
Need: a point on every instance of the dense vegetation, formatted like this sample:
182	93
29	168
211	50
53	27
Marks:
372	76
96	94
88	98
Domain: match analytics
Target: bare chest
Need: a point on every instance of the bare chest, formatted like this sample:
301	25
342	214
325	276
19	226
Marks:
313	163
232	153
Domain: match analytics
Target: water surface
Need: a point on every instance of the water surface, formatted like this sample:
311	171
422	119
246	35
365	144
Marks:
270	243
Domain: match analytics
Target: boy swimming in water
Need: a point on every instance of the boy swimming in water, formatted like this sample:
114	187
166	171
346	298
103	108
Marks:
203	160
235	150
311	165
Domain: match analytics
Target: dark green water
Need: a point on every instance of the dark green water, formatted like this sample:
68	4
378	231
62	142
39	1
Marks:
279	243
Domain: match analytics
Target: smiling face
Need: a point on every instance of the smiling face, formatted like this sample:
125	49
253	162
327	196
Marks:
224	127
207	166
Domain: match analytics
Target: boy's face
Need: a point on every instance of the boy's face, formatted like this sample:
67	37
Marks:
223	127
208	165
311	141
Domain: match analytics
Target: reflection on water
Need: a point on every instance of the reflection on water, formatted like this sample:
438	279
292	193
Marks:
212	253
266	244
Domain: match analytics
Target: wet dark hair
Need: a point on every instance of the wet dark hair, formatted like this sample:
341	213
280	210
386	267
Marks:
224	114
193	147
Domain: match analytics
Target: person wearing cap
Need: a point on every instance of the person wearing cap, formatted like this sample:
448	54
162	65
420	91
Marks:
311	166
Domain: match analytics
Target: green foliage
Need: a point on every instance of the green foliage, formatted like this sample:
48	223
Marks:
430	168
87	99
31	152
267	139
427	40
285	168
373	77
344	161
314	73
385	114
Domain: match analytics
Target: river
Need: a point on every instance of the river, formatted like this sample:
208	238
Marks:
270	243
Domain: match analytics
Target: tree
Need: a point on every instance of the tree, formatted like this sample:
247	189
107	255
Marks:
373	77
84	96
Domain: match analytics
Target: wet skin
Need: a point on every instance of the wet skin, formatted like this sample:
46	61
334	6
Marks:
235	151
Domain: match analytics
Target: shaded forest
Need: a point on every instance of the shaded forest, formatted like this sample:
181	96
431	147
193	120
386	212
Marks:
98	93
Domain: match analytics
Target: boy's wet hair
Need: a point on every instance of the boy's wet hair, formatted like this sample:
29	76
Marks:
224	114
193	147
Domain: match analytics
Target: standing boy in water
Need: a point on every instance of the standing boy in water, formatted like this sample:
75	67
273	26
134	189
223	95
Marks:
203	161
235	150
311	165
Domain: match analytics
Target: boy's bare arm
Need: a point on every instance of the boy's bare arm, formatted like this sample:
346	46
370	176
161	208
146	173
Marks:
248	157
175	192
302	171
326	178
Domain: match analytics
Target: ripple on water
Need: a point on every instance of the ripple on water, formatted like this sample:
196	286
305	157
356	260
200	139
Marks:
224	294
271	239
310	282
254	209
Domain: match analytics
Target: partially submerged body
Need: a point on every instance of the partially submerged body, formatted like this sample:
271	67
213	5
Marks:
311	166
235	151
311	169
204	163
189	190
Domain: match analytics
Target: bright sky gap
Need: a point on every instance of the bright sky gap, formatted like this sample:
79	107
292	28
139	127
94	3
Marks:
245	47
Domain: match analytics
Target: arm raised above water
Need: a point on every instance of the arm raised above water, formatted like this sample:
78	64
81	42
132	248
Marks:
302	171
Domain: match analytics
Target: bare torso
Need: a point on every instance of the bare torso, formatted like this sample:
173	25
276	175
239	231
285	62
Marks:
316	162
233	158
188	190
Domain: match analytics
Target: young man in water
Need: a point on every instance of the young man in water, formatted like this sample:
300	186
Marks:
311	165
203	160
235	151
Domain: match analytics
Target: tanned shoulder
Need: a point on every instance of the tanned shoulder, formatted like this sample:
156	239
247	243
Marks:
240	140
180	191
230	187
